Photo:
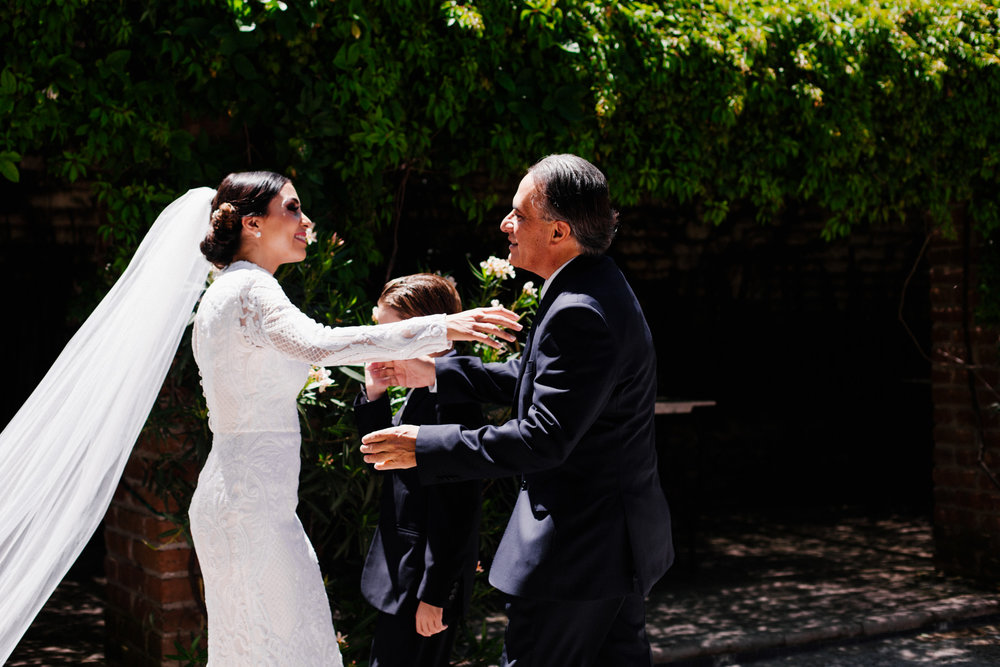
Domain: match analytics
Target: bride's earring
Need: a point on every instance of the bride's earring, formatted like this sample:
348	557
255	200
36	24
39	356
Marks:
257	234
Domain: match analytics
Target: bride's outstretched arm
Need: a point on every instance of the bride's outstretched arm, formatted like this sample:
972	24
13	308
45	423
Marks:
271	319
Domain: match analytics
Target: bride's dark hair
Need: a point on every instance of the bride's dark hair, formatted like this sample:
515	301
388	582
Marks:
239	195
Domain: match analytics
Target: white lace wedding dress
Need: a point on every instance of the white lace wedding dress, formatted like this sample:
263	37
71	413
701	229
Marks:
263	589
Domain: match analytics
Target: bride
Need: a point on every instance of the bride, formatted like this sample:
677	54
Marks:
263	589
63	453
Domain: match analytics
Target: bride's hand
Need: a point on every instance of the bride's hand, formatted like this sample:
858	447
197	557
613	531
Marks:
481	325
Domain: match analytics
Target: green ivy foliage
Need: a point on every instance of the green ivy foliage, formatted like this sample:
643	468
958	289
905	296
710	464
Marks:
869	111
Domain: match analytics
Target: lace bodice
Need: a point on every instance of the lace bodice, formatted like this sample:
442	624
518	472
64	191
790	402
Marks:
254	349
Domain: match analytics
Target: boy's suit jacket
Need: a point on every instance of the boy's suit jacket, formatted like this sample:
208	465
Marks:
426	544
591	521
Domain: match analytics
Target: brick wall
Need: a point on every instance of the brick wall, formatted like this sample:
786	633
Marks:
153	595
966	427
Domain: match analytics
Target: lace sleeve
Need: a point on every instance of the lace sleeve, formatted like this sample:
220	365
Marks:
271	320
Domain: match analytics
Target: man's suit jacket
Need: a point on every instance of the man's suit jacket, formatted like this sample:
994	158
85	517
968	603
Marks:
427	540
590	521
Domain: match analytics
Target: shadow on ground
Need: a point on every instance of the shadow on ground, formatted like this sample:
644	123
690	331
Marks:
70	628
758	584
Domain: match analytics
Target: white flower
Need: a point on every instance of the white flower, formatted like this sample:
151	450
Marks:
497	268
530	289
310	236
319	378
495	303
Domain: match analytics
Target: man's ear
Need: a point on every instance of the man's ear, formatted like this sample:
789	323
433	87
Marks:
561	231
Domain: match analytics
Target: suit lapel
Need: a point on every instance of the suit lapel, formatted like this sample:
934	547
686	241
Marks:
526	352
528	348
579	264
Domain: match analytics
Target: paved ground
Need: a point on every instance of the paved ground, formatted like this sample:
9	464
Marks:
70	628
973	646
767	592
851	591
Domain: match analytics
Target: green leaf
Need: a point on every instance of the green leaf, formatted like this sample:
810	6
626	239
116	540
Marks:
505	81
352	373
9	170
117	59
244	67
8	83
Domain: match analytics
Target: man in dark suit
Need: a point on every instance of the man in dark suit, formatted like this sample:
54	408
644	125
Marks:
590	531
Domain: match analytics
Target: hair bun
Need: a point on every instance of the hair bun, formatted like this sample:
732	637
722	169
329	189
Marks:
224	217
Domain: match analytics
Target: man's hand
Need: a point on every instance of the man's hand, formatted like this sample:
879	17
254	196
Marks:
411	373
392	448
429	619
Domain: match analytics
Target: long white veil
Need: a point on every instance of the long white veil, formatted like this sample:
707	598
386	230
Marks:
62	454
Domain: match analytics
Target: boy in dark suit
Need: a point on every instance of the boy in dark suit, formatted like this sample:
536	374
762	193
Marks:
422	559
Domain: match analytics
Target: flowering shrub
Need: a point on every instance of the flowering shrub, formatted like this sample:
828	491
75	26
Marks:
319	380
490	277
496	268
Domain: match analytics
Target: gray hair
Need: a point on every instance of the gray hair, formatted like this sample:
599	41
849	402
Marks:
574	190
